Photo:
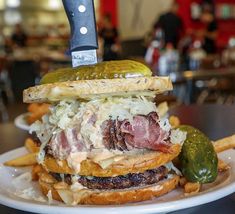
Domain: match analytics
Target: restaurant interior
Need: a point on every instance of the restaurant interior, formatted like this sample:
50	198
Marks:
191	41
196	49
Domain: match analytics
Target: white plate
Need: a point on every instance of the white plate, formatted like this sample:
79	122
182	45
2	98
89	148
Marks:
21	122
173	201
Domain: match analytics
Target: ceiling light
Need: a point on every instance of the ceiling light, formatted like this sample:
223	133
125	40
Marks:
12	3
12	17
54	4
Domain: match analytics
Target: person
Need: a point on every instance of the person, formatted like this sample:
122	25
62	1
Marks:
171	24
109	34
19	37
210	32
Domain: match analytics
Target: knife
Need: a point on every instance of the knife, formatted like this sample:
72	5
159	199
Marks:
83	43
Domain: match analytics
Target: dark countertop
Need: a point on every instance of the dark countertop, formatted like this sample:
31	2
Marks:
216	121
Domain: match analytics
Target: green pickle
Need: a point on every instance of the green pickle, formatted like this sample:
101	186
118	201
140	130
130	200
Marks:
198	159
103	70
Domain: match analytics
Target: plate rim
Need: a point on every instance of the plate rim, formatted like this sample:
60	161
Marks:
161	207
18	124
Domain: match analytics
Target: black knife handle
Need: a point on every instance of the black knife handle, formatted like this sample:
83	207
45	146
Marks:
81	16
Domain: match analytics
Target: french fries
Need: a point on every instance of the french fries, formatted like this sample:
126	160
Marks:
36	169
224	144
37	111
191	188
28	159
31	146
222	166
174	121
25	160
183	181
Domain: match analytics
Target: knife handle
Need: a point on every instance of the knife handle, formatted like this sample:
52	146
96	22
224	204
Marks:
81	16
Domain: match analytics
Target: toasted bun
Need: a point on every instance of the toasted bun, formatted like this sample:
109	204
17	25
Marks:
97	197
130	164
85	89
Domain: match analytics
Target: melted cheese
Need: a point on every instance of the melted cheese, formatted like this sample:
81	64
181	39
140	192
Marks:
74	160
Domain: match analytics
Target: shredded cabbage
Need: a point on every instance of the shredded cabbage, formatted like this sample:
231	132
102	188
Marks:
177	136
62	114
87	118
164	124
170	166
44	131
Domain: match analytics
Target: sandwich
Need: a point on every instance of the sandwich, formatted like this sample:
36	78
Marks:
104	141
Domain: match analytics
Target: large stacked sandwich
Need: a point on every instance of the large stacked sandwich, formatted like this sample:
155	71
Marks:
104	141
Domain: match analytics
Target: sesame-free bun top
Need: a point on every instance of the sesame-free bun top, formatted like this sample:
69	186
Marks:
87	89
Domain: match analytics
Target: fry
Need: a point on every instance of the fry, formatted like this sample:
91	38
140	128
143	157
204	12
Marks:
224	144
25	160
33	107
183	181
36	169
222	166
31	146
174	121
191	188
37	111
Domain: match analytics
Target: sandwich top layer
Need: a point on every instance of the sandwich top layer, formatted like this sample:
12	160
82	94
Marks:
88	89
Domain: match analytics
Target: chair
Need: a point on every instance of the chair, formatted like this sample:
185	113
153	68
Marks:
3	109
23	74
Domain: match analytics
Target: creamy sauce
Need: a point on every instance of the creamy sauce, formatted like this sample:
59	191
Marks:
74	160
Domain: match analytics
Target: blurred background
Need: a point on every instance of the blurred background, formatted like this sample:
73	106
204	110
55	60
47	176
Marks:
192	41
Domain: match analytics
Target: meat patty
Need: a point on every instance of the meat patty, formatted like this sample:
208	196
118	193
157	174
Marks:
119	182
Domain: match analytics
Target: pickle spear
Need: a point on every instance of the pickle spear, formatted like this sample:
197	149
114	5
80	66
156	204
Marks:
103	70
198	159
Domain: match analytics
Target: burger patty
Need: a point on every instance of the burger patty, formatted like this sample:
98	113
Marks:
119	182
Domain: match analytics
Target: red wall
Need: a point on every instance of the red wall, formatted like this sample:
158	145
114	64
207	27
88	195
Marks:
184	12
111	7
226	28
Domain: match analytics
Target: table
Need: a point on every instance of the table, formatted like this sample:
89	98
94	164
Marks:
216	121
203	74
189	78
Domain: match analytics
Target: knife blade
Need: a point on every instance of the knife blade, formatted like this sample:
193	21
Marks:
83	42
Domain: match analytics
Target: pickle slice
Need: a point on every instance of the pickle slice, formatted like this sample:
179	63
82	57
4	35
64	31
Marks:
103	70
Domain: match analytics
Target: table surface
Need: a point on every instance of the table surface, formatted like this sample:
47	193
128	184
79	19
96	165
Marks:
203	74
216	121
